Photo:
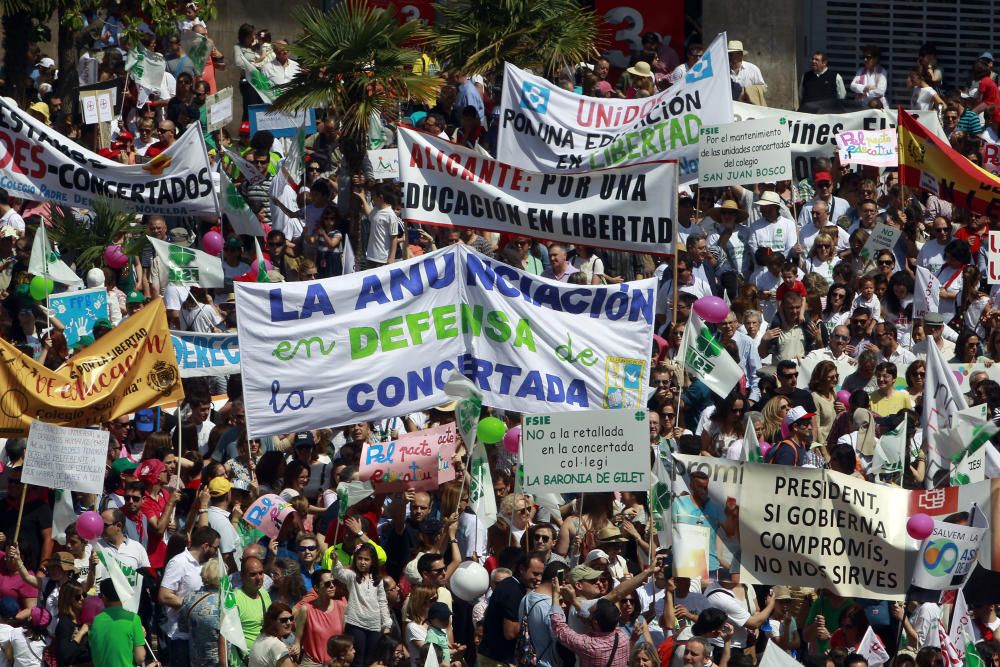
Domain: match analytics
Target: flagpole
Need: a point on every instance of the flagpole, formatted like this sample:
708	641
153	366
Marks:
20	513
574	549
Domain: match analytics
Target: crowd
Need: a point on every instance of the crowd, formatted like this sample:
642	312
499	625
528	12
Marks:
825	334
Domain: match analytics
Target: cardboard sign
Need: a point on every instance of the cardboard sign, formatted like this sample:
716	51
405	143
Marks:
883	237
419	460
875	148
751	151
65	458
268	513
220	109
948	556
79	311
595	450
280	123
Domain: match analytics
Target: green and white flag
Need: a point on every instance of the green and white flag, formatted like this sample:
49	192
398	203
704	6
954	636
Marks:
469	406
888	457
247	170
146	68
128	584
196	47
350	494
481	495
188	266
229	616
751	446
659	500
266	88
236	209
706	358
45	261
969	465
261	266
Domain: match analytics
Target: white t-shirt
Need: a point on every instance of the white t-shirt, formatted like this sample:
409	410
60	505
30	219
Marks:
131	554
27	652
923	98
415	632
779	235
384	226
13	219
182	575
736	610
924	620
931	256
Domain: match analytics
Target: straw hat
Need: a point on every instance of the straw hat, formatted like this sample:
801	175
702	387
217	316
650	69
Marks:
642	69
728	206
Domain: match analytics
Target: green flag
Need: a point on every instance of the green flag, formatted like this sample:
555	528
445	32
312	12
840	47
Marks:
751	446
706	358
229	616
196	47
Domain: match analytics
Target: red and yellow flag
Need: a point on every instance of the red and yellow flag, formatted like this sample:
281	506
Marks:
928	163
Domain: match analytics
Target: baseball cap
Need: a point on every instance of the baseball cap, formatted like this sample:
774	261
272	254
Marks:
245	127
144	421
104	322
584	573
121	466
46	62
781	593
219	486
799	413
596	554
180	236
821	176
135	296
149	471
986	55
233	242
304	439
934	319
289	494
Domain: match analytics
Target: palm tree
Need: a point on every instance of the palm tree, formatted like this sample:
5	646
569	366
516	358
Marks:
84	243
479	35
357	62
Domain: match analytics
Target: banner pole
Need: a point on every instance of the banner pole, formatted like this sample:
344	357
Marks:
20	513
574	550
676	237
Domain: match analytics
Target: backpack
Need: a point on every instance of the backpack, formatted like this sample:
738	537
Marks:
525	654
774	450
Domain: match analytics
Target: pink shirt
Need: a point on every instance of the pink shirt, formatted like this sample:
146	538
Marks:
320	626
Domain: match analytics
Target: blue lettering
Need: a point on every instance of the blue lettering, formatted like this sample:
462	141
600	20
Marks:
278	312
478	272
371	292
231	348
201	347
316	300
414	284
356	402
642	305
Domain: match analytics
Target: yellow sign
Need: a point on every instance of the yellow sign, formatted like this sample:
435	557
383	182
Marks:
131	367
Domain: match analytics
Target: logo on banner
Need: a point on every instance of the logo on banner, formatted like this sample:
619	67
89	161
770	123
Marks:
927	182
534	98
622	382
700	70
940	557
163	377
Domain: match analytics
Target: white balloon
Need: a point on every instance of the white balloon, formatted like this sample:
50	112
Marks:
469	581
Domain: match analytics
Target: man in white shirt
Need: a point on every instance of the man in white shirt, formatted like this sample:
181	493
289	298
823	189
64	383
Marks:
772	230
8	216
130	554
218	518
934	326
820	215
720	596
743	73
889	348
694	52
281	69
836	206
182	576
931	255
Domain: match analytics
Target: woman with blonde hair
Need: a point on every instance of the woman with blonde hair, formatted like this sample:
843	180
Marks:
415	633
774	412
823	256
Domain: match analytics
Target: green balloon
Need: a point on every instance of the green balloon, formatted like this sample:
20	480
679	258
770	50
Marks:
491	430
37	288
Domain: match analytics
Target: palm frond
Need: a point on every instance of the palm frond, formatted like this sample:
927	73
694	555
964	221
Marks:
111	224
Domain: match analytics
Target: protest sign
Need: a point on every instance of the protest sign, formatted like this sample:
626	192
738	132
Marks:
930	163
280	123
528	344
420	460
40	164
751	151
187	266
131	367
65	458
97	106
883	237
947	556
268	513
993	258
548	129
972	504
220	109
814	135
385	163
79	311
705	516
926	293
818	528
706	359
596	450
200	355
632	208
876	148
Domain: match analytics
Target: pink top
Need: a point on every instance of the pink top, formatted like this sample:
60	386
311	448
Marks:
320	626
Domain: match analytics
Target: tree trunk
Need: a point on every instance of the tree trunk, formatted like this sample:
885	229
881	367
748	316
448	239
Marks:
68	81
17	32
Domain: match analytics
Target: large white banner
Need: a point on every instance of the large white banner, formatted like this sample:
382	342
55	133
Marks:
815	135
203	354
58	457
596	450
38	163
632	208
548	129
384	342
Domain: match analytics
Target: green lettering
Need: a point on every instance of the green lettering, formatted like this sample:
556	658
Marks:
364	341
444	322
630	144
523	337
282	349
472	319
417	324
391	330
497	328
677	133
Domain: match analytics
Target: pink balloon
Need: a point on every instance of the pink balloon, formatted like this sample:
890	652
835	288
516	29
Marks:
253	266
844	397
711	309
114	257
90	525
212	242
919	526
512	439
92	606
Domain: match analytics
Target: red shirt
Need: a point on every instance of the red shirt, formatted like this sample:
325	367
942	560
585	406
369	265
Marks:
988	91
796	287
153	508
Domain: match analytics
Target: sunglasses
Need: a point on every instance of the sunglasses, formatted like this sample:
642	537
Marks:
789	376
665	415
307	548
285	619
542	538
310	275
886	262
133	498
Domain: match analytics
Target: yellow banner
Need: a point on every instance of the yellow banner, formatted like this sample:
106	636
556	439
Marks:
131	367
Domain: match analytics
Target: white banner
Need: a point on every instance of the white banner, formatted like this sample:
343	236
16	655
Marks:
200	355
58	457
188	266
744	153
926	293
948	556
548	129
527	343
38	163
596	450
993	258
814	135
629	209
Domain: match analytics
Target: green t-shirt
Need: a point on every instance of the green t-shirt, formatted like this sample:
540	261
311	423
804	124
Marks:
114	634
823	606
252	613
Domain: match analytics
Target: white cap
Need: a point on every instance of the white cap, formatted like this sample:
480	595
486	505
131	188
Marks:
95	278
477	78
797	413
46	62
595	554
289	494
